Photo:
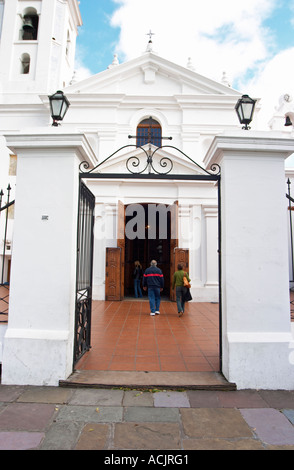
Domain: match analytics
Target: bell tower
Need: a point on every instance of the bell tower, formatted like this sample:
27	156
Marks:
37	44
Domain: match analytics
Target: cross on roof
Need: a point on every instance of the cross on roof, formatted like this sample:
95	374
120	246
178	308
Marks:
150	34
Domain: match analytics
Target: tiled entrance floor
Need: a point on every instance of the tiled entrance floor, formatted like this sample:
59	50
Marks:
125	337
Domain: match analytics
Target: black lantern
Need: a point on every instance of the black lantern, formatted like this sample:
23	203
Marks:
245	109
59	105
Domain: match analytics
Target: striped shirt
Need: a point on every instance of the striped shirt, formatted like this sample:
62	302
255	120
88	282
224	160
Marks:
153	277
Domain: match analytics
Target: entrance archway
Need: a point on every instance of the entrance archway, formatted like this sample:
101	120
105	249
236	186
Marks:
128	249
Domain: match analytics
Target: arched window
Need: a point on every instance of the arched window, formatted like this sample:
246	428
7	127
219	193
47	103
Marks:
149	131
30	25
25	61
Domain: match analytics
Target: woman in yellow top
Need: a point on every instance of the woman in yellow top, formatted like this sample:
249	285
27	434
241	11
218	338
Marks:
181	290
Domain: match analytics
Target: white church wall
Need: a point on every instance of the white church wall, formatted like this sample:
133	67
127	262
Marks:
256	327
43	276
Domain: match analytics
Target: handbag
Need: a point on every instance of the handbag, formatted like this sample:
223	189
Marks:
188	296
186	282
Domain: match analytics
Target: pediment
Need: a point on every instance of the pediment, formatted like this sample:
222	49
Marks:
165	160
150	74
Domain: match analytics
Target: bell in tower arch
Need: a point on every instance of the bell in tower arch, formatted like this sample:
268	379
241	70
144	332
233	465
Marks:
29	31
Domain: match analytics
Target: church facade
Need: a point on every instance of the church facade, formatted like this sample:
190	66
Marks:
147	116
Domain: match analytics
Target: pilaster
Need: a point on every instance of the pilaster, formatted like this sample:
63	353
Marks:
256	327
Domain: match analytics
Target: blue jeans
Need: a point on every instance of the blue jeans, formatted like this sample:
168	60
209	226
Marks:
137	288
180	293
154	298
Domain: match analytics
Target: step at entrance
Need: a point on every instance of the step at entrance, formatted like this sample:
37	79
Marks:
147	380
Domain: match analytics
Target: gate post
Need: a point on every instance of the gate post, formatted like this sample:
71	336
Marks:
38	345
258	346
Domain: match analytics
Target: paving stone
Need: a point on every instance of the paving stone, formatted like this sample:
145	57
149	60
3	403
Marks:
145	414
45	395
62	436
214	423
137	398
278	399
2	406
92	414
171	399
241	399
279	447
149	435
26	417
94	437
9	393
222	444
97	397
20	440
289	414
270	425
203	399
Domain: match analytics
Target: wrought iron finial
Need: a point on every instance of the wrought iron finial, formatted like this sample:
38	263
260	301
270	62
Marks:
150	34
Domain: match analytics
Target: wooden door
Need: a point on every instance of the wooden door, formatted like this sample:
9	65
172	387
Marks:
180	255
113	274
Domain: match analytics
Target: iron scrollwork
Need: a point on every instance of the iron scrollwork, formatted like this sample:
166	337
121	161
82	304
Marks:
137	164
164	163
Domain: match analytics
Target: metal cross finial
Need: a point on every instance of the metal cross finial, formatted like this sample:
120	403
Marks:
150	34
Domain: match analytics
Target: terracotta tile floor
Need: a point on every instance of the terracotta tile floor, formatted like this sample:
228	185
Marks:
126	337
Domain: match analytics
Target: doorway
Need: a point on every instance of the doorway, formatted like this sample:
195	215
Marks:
151	242
116	312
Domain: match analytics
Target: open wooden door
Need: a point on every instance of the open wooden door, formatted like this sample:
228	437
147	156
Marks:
121	242
180	255
112	272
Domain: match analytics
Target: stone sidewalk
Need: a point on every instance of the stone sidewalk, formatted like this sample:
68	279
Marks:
55	418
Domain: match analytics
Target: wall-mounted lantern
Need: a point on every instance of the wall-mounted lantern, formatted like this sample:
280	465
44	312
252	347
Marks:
245	110
59	105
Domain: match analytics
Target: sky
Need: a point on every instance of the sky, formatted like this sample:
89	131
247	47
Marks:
252	41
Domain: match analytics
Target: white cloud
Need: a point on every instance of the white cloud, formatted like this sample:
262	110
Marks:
274	79
81	71
218	36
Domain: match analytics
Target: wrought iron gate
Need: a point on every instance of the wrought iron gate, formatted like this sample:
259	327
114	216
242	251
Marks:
150	168
84	272
290	209
4	271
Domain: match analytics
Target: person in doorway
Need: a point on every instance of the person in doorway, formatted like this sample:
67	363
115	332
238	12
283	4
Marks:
181	290
153	281
138	275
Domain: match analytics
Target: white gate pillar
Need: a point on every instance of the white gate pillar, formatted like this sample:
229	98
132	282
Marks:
38	345
258	346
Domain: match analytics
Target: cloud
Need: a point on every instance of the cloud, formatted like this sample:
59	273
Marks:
218	36
81	71
274	79
228	36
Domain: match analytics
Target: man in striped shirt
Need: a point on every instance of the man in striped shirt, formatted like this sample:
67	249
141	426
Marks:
154	282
